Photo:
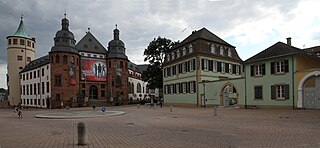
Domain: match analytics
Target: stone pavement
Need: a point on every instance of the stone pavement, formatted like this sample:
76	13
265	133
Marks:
184	127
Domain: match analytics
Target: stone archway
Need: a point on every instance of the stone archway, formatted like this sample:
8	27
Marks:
308	91
93	92
229	95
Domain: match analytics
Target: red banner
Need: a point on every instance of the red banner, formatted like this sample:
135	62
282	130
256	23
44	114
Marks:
93	69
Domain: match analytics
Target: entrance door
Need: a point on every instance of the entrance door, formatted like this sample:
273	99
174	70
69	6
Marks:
93	92
311	97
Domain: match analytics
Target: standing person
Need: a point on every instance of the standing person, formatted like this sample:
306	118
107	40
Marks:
19	110
161	101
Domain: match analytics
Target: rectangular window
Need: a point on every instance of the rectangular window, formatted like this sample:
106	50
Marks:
280	92
177	88
174	70
38	73
35	88
47	87
42	72
24	90
19	58
57	81
42	87
15	41
22	42
31	89
227	67
205	65
34	74
258	92
223	67
219	69
23	77
184	87
238	69
9	41
29	44
214	66
192	84
28	59
38	88
280	67
27	89
30	75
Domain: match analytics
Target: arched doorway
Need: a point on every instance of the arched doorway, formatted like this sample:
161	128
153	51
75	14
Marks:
93	92
309	91
229	95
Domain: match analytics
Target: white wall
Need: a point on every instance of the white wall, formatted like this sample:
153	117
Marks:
28	100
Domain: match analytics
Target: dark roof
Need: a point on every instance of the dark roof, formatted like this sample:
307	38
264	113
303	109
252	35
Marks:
90	44
143	67
279	49
204	34
37	63
314	49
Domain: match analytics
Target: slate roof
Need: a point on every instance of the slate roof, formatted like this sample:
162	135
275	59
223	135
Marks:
204	34
279	49
90	44
314	49
37	63
143	67
138	68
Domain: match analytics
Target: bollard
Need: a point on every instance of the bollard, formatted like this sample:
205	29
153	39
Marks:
82	135
215	111
171	107
138	106
154	105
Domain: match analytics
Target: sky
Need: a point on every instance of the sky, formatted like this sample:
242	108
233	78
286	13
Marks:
249	25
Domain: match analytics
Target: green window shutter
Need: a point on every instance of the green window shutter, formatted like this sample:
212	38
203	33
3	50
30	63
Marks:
227	67
263	69
194	64
210	65
286	66
272	67
219	66
188	66
252	70
273	92
202	64
234	70
194	84
286	92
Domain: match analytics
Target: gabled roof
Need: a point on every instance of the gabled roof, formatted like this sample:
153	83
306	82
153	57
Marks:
143	67
204	34
90	44
279	49
314	49
37	63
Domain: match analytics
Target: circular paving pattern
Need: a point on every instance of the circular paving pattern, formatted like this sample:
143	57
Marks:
79	114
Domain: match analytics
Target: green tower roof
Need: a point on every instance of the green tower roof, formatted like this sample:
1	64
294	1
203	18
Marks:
21	31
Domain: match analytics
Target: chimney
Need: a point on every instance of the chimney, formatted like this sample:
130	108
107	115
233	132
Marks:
289	41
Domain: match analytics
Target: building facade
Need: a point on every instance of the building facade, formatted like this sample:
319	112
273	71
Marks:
200	57
71	74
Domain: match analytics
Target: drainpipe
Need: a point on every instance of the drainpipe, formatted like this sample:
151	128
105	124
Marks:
293	84
245	88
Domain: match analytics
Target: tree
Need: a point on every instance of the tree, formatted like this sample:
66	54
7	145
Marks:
155	54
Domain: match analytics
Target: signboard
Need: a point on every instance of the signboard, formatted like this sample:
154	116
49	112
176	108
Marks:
93	69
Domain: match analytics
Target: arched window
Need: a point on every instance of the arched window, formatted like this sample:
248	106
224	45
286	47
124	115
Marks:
121	64
229	52
65	59
138	88
190	48
57	59
212	49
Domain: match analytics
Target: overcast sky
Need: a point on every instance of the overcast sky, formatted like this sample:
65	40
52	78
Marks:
249	25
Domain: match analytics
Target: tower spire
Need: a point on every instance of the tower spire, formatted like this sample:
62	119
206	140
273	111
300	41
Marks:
21	32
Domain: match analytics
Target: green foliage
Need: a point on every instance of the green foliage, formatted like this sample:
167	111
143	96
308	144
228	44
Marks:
155	54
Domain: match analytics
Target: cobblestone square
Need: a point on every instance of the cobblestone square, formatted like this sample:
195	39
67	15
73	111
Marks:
148	127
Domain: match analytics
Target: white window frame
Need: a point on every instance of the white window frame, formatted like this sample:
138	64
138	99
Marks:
206	64
212	48
223	68
184	87
229	52
184	51
190	48
183	68
171	88
221	50
230	68
214	66
178	53
177	88
280	67
258	70
168	57
237	69
192	84
172	56
280	92
191	65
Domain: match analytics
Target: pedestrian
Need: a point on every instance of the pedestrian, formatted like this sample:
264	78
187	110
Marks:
161	101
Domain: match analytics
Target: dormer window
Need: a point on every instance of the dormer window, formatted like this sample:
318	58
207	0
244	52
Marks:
221	50
168	57
190	48
178	53
229	52
183	51
212	48
172	56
